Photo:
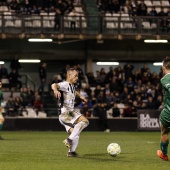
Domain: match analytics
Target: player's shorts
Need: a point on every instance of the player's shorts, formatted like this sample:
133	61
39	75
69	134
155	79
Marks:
68	118
165	119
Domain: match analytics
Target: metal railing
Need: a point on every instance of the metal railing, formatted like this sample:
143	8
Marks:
27	81
85	25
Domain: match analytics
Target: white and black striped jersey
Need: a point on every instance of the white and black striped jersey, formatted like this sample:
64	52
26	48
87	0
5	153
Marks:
68	95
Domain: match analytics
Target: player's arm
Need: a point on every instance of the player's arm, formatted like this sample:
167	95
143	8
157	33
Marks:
80	96
55	87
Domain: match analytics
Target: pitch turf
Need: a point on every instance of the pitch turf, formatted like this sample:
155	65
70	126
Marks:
45	151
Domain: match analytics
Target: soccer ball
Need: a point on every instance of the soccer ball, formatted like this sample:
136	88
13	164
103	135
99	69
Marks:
113	149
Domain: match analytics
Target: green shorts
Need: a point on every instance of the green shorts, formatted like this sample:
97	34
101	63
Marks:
165	119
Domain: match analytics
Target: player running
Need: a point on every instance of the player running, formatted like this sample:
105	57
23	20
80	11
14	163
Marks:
1	116
165	114
71	119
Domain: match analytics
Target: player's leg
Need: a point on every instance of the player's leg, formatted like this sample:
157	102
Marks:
80	124
73	145
1	122
164	143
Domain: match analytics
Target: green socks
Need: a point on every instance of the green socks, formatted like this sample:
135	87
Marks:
1	126
164	147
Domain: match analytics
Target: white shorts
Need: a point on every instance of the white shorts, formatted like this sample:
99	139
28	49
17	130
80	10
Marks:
68	118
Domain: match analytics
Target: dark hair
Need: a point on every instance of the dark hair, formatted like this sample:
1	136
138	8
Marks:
166	62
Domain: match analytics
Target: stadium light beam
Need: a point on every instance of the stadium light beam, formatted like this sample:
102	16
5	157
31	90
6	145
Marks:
2	62
158	64
39	40
156	41
29	61
107	63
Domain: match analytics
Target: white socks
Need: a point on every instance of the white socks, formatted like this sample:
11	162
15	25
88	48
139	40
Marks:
77	129
74	144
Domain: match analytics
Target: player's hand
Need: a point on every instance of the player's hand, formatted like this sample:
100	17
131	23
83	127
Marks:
57	94
84	99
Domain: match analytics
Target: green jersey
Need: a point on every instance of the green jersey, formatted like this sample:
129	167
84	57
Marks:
165	114
1	97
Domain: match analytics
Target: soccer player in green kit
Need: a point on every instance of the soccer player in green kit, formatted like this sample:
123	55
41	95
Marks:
165	114
1	116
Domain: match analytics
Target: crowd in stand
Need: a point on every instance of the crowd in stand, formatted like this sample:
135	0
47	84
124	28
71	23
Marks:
104	91
121	87
134	7
36	6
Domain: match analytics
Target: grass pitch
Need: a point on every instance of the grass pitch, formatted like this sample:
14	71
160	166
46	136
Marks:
45	151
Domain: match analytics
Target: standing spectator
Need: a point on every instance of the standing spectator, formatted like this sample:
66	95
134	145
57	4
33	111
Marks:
64	72
132	7
4	76
57	20
42	76
15	64
142	9
128	68
3	72
164	25
13	79
101	112
114	86
91	79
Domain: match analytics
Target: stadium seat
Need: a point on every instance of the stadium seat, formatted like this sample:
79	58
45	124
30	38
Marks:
156	3
36	23
165	3
18	23
148	3
158	9
125	17
146	25
3	8
108	17
116	16
109	25
9	23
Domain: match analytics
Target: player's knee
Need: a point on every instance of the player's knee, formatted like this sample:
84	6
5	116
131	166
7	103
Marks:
2	120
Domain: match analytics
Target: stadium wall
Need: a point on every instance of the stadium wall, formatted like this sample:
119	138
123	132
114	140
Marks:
53	124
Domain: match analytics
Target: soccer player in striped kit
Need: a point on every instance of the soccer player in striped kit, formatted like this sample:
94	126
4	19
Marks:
73	121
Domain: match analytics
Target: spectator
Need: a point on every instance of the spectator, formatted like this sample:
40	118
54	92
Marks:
38	105
88	90
13	79
128	68
162	13
43	77
153	12
86	107
57	20
91	79
114	86
101	112
19	106
164	25
4	76
10	107
26	97
142	9
64	71
15	65
132	7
